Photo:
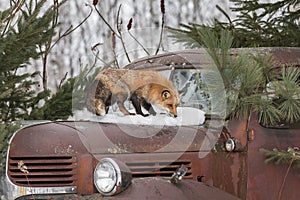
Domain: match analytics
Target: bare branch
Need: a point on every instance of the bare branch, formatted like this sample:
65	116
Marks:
62	80
162	8
71	29
120	33
104	20
17	6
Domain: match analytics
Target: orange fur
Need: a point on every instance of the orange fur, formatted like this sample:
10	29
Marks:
142	87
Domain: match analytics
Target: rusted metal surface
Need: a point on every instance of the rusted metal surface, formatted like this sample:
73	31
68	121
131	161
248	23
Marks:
82	144
229	172
198	58
155	188
85	180
163	189
97	137
265	180
74	148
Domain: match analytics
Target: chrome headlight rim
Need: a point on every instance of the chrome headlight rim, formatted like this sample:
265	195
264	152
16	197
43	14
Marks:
230	145
121	176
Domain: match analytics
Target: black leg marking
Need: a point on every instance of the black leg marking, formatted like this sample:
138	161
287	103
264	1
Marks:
136	101
148	107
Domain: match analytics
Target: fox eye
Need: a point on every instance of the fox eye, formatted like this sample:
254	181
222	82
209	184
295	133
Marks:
165	94
170	105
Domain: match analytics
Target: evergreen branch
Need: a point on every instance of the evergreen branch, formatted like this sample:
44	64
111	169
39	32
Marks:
257	24
188	35
292	154
224	13
288	89
252	82
290	157
217	48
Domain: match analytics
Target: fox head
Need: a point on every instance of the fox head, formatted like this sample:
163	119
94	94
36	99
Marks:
169	102
164	97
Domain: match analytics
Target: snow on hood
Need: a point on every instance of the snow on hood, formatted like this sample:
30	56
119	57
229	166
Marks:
187	116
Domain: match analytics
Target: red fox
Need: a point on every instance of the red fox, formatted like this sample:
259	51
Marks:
142	87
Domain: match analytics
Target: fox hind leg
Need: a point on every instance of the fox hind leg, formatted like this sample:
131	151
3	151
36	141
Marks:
100	107
120	98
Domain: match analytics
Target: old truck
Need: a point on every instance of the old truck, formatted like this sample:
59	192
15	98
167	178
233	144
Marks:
195	156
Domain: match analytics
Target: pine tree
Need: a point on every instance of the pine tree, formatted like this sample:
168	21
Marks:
27	29
69	98
251	83
24	26
257	24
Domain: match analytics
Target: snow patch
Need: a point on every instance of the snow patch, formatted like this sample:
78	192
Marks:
187	116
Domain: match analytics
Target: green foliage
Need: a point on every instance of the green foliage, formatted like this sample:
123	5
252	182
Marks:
56	107
256	25
287	89
81	86
265	24
252	83
24	28
289	156
70	97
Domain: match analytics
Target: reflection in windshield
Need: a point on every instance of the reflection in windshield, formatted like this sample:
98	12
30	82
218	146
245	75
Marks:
193	90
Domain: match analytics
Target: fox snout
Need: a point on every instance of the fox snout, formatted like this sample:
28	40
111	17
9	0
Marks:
173	112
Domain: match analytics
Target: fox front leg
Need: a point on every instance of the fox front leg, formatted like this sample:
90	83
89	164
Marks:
136	102
148	107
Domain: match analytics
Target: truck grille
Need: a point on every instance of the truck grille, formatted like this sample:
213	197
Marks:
43	171
158	168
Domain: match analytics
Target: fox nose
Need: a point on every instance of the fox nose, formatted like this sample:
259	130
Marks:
175	116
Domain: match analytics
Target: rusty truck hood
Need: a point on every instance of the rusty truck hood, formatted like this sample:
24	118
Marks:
72	137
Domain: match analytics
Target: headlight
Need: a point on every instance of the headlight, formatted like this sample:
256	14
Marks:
230	145
111	176
233	144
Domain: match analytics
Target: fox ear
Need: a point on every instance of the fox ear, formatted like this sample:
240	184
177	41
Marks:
165	94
